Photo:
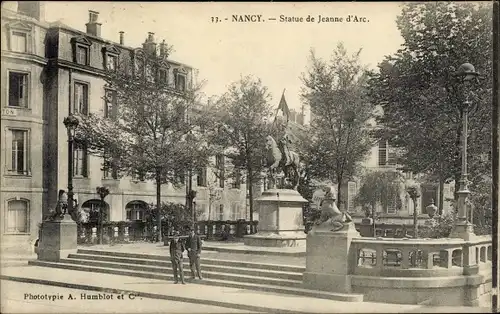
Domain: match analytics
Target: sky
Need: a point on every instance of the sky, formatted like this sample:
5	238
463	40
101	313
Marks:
276	52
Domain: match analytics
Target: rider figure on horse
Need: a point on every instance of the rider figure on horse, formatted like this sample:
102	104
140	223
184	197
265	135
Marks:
284	141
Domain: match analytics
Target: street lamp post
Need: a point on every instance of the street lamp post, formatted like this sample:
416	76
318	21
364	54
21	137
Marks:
465	75
71	123
103	192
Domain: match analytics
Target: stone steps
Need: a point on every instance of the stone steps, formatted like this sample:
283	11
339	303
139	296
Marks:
210	266
284	279
205	261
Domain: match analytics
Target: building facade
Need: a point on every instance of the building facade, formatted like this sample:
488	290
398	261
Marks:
50	70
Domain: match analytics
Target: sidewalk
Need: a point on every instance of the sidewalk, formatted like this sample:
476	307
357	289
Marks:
230	298
14	300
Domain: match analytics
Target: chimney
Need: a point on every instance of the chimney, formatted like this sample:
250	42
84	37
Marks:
93	27
34	9
121	37
163	49
150	45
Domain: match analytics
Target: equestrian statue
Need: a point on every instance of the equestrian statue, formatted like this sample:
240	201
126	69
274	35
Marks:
280	158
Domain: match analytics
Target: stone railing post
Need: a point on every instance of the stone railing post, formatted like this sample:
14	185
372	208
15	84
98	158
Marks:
469	259
125	234
93	237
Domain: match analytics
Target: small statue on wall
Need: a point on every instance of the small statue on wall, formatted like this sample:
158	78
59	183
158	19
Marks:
331	216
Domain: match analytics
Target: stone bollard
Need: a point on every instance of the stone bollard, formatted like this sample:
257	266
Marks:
116	233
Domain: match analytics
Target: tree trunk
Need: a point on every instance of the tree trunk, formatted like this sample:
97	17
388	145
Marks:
250	193
373	220
339	193
158	203
100	222
441	194
415	220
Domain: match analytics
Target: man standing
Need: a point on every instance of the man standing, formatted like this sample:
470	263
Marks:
194	250
176	250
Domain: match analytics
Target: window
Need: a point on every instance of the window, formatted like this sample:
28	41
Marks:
351	193
94	208
237	179
110	104
18	41
111	62
382	153
391	156
19	151
180	82
17	217
135	210
235	211
201	177
81	50
221	212
18	89
162	76
81	98
110	170
82	55
80	161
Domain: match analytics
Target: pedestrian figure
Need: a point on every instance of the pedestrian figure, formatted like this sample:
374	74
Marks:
194	250
177	249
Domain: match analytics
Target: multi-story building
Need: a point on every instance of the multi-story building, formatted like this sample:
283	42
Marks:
50	70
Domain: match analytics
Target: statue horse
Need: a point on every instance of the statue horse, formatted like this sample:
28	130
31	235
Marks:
277	160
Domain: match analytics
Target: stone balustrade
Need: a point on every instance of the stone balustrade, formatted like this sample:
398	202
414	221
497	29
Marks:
413	270
130	231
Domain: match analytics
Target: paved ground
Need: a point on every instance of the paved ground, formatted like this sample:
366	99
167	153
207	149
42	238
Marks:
20	297
221	297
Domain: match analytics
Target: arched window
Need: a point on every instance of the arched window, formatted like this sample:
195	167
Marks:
135	210
93	207
17	216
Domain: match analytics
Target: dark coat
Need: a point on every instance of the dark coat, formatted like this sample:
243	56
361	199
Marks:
194	243
176	249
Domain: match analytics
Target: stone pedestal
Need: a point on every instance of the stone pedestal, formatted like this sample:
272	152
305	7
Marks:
330	260
58	239
280	220
463	230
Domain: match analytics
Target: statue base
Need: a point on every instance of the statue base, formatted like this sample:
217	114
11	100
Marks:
280	220
463	230
58	239
330	260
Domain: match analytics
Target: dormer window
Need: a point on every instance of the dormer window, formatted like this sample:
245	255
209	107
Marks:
81	50
110	57
163	76
111	62
180	79
18	41
82	55
19	37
